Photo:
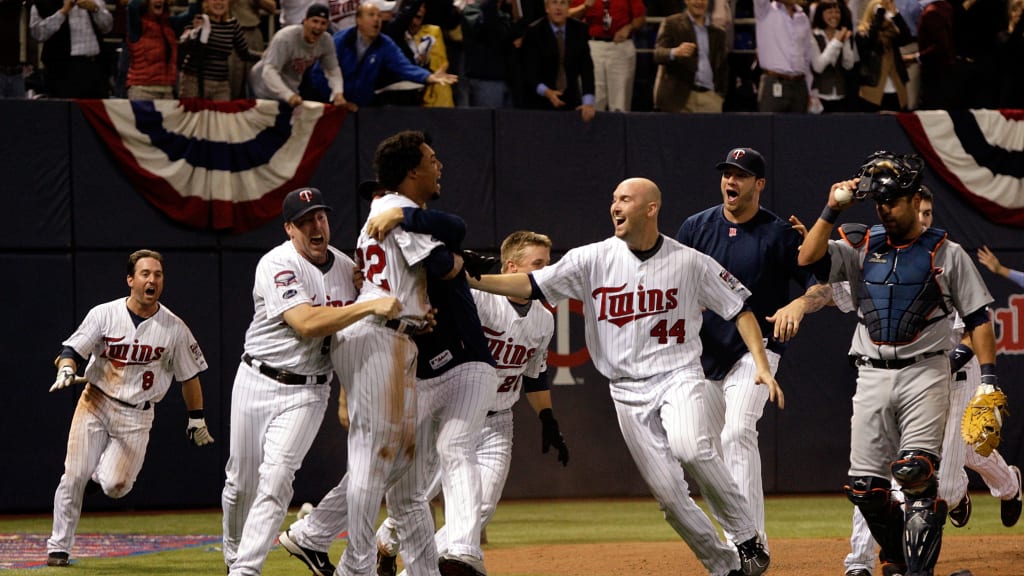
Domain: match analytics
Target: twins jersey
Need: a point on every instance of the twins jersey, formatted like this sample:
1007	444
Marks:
518	343
136	363
284	280
643	317
405	279
959	282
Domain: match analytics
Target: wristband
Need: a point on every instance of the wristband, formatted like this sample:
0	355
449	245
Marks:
195	414
988	369
829	214
959	357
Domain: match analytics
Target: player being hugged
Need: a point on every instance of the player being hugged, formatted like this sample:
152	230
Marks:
643	296
906	280
134	347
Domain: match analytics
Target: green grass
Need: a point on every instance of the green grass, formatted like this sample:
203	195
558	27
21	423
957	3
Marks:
516	523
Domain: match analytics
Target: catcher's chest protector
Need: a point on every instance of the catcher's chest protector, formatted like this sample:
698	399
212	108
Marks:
899	291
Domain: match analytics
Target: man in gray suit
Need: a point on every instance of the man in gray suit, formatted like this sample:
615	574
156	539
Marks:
691	55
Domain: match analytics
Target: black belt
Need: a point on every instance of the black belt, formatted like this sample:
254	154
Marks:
144	406
961	376
402	326
84	58
700	89
493	412
612	39
895	364
283	376
789	77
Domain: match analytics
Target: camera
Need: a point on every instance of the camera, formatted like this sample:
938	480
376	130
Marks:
886	176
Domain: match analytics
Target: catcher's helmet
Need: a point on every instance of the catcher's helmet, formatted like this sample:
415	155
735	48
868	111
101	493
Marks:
886	176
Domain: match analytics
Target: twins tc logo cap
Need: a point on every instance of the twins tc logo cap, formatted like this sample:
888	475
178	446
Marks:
299	202
318	9
746	159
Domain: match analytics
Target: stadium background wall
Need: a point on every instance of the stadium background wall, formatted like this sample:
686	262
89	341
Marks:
73	218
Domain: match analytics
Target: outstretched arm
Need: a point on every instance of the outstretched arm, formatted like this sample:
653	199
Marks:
516	285
816	242
747	326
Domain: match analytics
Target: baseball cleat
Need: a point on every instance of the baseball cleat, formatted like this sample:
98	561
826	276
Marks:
960	515
858	572
754	559
1009	510
57	559
461	565
318	562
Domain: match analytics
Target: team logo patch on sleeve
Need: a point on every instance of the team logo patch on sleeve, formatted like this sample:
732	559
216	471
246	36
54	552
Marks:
285	278
289	293
729	279
197	353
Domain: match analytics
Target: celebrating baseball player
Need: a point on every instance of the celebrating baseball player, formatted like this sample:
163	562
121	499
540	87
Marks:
518	333
1003	480
643	296
905	280
134	347
378	363
760	250
303	294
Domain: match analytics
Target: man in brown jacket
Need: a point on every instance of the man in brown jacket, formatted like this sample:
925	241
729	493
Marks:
691	57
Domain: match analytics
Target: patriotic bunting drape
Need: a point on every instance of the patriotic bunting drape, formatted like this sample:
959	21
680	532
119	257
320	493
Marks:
980	153
215	165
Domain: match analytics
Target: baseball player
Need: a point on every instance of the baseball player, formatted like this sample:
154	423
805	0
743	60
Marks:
377	361
760	250
643	296
1004	480
905	280
303	294
134	347
518	333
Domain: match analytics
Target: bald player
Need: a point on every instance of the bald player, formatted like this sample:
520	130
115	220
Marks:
643	296
134	347
302	295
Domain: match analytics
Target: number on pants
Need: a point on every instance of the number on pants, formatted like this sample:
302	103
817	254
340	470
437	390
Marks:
510	384
147	379
374	260
677	331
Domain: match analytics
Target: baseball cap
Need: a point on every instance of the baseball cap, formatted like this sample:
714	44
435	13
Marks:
368	189
320	10
299	202
746	159
382	5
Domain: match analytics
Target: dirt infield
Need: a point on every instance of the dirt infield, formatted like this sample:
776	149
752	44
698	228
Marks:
983	555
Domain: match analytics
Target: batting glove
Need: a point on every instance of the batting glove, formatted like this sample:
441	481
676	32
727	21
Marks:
198	433
65	378
550	436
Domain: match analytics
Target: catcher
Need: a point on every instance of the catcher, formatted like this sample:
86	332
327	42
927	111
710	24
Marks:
906	281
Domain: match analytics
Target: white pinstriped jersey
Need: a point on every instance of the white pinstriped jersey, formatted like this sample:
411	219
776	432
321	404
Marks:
136	364
643	317
285	279
960	282
404	280
519	344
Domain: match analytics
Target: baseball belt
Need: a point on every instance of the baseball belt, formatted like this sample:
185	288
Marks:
283	376
144	406
894	364
402	326
961	376
495	412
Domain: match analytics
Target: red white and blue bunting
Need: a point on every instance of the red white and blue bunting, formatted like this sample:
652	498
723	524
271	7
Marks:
215	165
980	153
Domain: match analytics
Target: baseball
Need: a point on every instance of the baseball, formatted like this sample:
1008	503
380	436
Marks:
304	511
843	195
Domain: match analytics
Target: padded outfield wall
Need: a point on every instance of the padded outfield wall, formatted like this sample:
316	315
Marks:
72	218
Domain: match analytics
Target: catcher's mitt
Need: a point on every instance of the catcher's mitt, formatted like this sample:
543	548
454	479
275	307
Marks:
983	419
476	264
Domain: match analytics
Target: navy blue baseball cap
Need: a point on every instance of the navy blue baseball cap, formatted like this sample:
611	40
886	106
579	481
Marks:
746	159
302	201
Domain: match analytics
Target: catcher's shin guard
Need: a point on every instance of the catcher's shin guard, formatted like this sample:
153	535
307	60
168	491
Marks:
882	514
922	540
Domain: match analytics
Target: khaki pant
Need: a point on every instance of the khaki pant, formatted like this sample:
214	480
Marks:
155	92
614	71
709	102
188	87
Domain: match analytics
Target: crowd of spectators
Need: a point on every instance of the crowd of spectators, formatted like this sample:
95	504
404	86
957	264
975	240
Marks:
822	56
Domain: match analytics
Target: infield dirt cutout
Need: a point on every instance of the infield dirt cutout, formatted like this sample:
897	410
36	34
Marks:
983	555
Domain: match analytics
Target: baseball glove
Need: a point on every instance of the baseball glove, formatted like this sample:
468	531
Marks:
476	264
983	419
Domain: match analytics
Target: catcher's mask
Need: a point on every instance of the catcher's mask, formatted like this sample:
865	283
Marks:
886	176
